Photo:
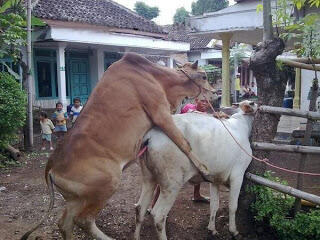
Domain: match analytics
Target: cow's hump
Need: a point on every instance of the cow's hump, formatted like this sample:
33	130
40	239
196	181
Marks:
136	59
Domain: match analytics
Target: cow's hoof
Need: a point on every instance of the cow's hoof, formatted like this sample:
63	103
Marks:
237	237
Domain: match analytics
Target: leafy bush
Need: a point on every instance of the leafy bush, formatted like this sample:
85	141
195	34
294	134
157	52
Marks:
274	207
213	73
12	108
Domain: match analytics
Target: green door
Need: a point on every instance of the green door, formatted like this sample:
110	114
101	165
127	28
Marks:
79	79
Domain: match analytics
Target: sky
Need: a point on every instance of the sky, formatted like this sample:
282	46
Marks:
167	8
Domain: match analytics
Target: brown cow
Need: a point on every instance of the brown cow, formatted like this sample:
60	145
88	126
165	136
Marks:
132	96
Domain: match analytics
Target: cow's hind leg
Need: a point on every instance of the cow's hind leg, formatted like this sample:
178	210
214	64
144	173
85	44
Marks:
66	222
162	208
86	218
148	187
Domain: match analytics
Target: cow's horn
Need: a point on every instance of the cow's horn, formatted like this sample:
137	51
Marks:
195	65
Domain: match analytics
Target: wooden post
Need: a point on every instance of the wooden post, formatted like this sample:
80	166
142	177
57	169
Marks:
296	100
226	37
306	141
29	81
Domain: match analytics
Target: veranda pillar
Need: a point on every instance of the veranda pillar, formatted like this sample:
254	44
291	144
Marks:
225	101
61	65
296	100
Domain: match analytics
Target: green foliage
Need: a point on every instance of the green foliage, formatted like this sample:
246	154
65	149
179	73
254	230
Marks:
13	35
203	6
304	31
238	53
213	73
13	24
274	207
12	108
180	16
146	11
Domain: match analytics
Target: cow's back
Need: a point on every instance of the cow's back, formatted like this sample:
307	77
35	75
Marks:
209	140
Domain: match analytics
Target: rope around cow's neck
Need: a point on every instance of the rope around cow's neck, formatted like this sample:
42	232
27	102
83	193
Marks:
188	76
265	160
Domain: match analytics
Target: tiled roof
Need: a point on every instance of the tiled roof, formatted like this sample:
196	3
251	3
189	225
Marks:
96	12
184	34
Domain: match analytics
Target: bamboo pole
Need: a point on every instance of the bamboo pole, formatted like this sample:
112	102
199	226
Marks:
285	148
299	64
300	60
290	112
284	189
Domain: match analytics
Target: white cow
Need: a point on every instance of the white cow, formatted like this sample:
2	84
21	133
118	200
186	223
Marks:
164	164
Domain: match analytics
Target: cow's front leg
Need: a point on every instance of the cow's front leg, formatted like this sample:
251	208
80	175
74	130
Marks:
214	206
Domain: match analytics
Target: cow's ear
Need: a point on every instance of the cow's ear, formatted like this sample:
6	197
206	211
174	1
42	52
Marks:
195	65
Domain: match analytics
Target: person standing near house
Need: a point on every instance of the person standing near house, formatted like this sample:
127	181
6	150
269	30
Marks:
46	130
75	110
60	118
237	87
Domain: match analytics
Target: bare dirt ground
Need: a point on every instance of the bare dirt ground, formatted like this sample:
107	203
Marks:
25	201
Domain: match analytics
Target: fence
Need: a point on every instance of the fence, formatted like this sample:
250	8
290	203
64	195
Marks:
311	116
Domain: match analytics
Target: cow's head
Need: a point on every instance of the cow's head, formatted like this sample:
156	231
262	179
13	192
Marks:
196	74
247	107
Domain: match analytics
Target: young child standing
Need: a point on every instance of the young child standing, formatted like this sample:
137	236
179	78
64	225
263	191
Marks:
60	118
46	129
75	110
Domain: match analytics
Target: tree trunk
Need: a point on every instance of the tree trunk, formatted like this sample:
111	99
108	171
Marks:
271	86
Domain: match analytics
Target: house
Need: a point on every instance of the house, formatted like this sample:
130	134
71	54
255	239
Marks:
242	23
82	39
203	47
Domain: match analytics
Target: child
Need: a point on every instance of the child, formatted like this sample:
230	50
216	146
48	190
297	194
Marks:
46	129
60	117
75	110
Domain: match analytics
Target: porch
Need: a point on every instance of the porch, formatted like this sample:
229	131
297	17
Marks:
65	70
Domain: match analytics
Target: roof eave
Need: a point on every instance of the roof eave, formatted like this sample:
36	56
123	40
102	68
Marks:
79	25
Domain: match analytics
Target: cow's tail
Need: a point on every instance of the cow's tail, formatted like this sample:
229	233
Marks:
51	194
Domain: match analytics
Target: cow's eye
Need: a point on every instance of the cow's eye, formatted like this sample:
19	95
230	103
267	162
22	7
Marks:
204	77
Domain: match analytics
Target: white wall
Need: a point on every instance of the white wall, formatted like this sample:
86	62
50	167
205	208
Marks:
306	82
